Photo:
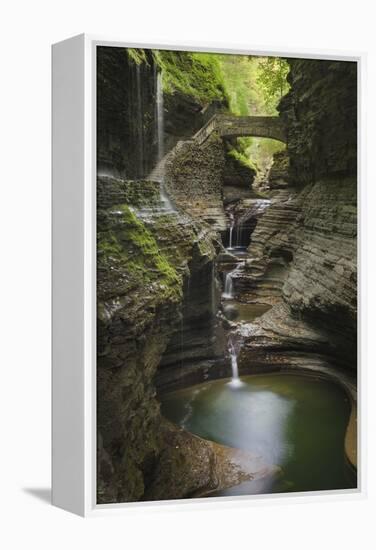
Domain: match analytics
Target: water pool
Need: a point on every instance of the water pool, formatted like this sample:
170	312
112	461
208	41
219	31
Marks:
293	421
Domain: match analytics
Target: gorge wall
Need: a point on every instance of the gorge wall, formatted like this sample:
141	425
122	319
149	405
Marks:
303	251
128	86
144	255
126	103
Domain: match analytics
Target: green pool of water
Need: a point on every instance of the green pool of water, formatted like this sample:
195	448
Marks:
293	421
237	311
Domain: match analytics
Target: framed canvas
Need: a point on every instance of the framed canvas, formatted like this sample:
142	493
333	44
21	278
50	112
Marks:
206	213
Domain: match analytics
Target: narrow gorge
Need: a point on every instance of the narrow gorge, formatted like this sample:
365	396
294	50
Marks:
226	275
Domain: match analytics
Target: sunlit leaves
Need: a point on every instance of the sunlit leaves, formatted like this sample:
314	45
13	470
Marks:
272	73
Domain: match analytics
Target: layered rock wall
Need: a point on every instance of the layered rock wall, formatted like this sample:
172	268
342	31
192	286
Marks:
320	113
126	113
310	229
194	180
143	256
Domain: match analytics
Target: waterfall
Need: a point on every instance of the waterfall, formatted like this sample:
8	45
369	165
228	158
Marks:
229	286
232	223
230	240
213	289
235	380
160	138
140	126
160	117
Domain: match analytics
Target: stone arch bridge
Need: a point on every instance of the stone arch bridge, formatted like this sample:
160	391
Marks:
227	126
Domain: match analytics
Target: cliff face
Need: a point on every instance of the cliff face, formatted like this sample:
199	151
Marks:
304	248
194	179
155	270
320	112
126	117
144	255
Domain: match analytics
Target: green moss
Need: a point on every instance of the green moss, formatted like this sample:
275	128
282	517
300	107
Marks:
198	75
138	55
206	248
242	159
135	248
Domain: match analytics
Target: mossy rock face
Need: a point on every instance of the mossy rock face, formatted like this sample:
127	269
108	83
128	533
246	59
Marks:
143	255
197	75
126	137
239	171
129	246
138	193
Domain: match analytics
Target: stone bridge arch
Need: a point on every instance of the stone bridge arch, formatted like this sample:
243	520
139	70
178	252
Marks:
228	126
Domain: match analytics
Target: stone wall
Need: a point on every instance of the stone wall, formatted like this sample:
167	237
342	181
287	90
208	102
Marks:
229	126
304	247
194	180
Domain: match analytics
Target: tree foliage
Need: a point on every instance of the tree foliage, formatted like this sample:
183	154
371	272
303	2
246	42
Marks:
245	85
272	73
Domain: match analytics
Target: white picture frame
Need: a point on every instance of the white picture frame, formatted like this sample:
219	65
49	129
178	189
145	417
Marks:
74	277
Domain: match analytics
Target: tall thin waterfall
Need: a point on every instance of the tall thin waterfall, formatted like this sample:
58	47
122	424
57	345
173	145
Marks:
229	286
235	380
232	223
160	117
160	136
140	126
230	239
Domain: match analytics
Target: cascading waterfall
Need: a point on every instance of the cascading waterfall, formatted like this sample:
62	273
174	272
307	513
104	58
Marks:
140	126
229	286
232	223
160	137
160	117
230	241
235	380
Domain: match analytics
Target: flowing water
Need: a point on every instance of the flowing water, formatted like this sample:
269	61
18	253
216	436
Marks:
235	380
230	239
295	422
229	287
160	137
160	117
232	223
140	126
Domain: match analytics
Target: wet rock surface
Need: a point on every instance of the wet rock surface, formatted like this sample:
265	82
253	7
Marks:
143	256
126	144
192	467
